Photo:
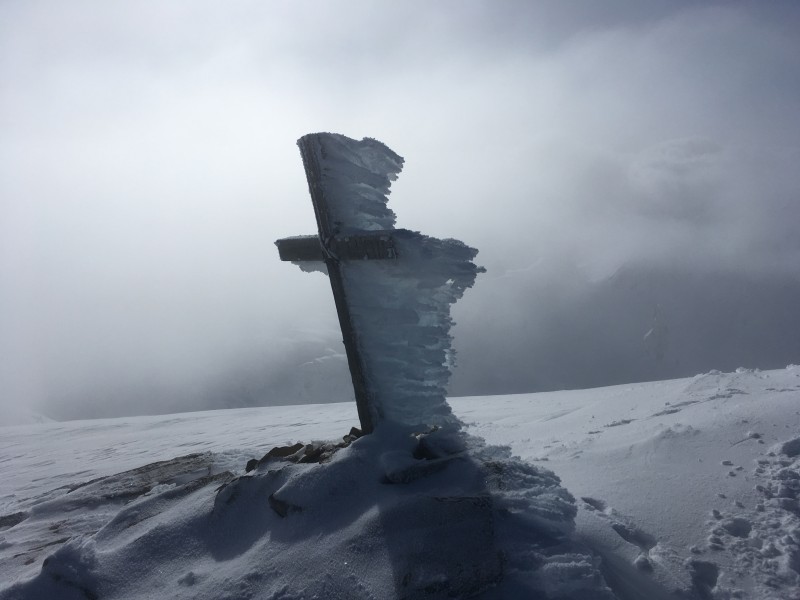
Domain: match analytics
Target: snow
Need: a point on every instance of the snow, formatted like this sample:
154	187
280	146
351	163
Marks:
683	489
676	469
376	520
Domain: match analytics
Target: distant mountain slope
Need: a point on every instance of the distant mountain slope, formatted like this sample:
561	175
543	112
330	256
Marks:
24	417
543	328
560	331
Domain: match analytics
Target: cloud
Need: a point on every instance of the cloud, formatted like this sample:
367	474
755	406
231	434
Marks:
148	161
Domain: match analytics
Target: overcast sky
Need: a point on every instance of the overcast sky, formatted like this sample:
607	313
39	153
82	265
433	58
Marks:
148	160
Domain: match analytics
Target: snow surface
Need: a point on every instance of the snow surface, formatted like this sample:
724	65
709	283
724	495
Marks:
684	489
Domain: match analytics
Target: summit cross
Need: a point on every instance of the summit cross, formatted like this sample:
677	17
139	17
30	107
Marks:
331	247
392	287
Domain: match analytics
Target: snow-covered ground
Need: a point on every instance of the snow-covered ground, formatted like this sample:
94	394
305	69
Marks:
684	489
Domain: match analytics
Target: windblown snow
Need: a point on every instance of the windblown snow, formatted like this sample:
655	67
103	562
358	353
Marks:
683	489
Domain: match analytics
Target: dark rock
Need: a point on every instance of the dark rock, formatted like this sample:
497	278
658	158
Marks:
251	464
281	452
312	453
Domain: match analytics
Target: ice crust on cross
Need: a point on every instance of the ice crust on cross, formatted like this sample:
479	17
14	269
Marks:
356	176
401	312
400	308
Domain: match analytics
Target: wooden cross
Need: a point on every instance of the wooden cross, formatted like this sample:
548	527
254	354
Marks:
332	247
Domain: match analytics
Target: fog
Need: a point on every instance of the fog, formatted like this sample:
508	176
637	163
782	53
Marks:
148	162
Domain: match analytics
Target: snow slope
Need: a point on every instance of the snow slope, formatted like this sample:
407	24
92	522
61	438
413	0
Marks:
684	489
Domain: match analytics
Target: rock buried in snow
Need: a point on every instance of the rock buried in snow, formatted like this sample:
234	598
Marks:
281	452
281	508
8	521
354	434
97	510
303	453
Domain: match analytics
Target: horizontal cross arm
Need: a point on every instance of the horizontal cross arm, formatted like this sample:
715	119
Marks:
377	245
300	248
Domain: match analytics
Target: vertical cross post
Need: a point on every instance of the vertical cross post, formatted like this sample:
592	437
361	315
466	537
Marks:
327	232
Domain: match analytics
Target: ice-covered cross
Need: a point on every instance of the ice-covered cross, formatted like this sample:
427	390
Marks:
392	287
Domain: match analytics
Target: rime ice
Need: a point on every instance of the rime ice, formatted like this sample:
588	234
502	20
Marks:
356	177
393	287
402	311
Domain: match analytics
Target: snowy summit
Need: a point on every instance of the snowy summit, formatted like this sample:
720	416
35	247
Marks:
681	489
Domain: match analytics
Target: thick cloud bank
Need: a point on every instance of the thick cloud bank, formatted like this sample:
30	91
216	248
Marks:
148	163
